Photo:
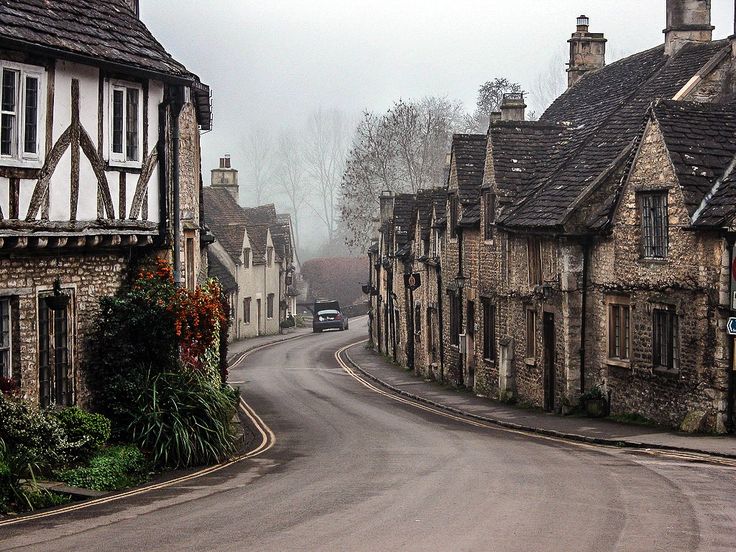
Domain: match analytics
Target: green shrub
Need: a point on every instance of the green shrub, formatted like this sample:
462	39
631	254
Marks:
111	469
183	419
86	432
31	436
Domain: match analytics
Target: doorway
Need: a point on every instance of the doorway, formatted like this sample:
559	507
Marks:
470	345
548	337
259	309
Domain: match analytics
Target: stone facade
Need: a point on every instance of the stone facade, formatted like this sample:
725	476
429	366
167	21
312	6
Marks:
594	252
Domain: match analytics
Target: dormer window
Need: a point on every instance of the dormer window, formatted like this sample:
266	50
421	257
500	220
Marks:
22	104
246	257
126	123
654	224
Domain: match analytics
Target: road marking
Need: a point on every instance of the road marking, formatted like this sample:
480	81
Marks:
268	440
691	458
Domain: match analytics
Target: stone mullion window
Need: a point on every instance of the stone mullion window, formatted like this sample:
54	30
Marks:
619	332
655	224
6	339
664	339
489	330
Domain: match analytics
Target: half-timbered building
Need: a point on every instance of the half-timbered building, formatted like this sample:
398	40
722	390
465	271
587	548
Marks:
99	166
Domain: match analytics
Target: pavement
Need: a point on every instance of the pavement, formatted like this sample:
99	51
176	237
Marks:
578	428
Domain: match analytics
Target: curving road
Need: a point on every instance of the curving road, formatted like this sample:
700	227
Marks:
354	470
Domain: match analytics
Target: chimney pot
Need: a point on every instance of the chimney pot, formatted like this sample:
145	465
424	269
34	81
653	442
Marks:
587	51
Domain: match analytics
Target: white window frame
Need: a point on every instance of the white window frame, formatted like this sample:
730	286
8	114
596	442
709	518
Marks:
120	159
9	321
20	158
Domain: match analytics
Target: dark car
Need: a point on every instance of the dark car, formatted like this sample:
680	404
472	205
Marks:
327	316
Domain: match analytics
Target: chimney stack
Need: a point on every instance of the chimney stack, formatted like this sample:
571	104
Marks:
587	51
513	107
387	206
687	21
226	177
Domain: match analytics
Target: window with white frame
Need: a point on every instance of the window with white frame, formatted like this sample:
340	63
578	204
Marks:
126	123
5	339
22	105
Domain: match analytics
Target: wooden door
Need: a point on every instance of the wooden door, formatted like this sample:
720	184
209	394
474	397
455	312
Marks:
549	361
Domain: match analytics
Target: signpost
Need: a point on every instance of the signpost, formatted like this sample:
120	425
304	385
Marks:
731	326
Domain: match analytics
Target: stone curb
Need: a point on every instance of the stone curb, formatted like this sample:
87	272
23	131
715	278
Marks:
620	443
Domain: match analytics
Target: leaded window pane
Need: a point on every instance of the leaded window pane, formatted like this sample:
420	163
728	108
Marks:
30	135
131	123
118	99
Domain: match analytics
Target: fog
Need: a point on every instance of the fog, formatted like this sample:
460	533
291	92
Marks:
272	64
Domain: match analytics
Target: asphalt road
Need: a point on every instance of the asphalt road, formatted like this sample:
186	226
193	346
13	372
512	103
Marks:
354	470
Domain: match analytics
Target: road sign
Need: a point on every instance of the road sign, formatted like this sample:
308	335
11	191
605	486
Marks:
731	326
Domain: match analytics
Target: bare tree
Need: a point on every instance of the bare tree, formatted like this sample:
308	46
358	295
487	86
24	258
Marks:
291	177
325	154
550	83
402	150
490	96
258	146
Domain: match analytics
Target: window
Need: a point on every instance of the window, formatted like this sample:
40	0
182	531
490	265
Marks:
534	251
454	214
191	280
5	340
53	348
454	319
654	225
531	334
246	257
437	244
126	123
269	256
418	319
430	333
246	310
269	306
489	330
21	108
664	339
619	332
489	214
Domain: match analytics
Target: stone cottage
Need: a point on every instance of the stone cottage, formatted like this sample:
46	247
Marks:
99	166
254	246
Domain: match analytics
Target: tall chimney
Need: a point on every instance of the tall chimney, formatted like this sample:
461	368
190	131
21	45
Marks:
387	206
513	107
687	21
226	177
587	51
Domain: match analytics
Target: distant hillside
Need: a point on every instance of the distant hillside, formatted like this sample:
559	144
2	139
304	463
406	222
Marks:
338	278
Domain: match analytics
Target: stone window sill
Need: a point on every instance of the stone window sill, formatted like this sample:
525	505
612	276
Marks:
489	362
530	361
666	372
618	363
653	261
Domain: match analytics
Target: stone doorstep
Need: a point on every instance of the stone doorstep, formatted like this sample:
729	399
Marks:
78	492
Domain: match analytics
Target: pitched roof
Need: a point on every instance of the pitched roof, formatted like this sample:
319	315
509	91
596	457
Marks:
607	108
258	235
701	140
218	270
469	157
426	200
263	214
104	31
225	218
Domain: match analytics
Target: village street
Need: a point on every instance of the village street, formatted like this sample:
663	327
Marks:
352	469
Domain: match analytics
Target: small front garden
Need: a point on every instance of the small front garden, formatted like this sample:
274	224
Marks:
158	391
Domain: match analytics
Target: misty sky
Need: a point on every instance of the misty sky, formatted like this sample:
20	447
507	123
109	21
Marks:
271	63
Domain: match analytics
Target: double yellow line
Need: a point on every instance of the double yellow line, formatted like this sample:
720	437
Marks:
668	454
268	440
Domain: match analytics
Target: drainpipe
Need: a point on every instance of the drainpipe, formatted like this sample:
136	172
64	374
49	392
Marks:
586	264
176	106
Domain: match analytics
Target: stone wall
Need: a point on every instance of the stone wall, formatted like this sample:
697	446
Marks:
85	276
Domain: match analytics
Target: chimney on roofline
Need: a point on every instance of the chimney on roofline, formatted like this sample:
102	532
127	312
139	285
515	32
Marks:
587	51
134	6
513	107
387	206
226	177
687	21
